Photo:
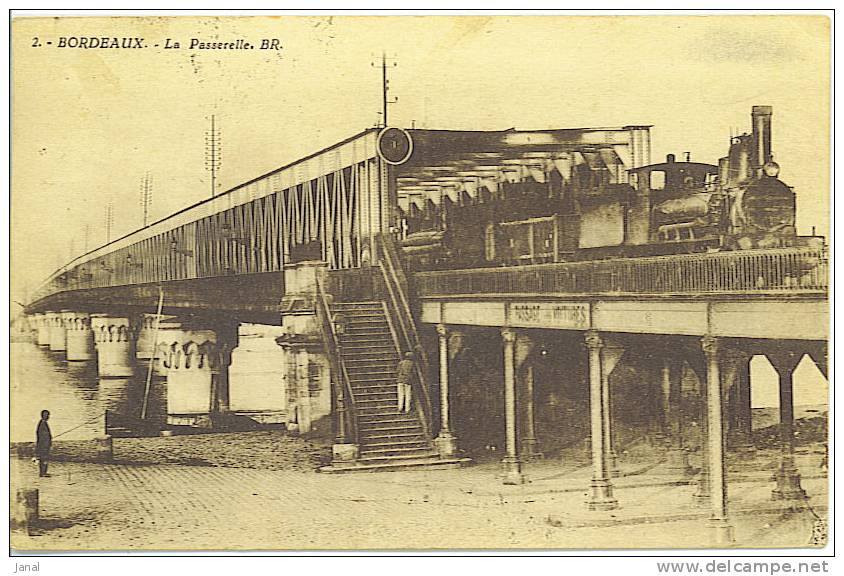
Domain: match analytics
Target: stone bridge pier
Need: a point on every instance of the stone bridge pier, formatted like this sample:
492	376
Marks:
195	357
58	334
80	337
42	329
114	338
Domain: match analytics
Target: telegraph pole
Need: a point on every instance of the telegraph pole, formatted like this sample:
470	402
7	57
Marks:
385	85
212	153
146	196
109	220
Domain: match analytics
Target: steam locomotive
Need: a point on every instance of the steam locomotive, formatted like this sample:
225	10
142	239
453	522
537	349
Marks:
667	208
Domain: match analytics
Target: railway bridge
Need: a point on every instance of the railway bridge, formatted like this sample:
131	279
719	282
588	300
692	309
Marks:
321	252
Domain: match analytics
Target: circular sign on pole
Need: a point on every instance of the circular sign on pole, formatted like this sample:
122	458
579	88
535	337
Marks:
394	145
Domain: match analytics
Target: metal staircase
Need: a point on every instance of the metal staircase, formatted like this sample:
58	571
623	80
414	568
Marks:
367	323
388	439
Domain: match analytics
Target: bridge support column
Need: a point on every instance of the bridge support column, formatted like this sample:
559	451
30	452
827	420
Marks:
114	339
719	520
168	332
196	361
530	444
699	367
741	421
309	375
58	334
43	328
146	343
80	337
258	375
445	442
512	463
524	397
787	476
610	356
672	396
227	342
602	494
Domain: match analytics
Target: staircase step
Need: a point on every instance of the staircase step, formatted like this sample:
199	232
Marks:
399	465
365	353
362	313
387	445
369	390
403	453
395	418
386	380
369	333
391	394
366	386
361	403
389	428
398	435
367	325
376	410
376	365
365	339
386	372
367	396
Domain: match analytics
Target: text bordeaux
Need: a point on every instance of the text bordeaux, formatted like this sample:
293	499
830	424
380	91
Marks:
100	42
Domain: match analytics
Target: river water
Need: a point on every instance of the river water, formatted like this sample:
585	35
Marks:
75	395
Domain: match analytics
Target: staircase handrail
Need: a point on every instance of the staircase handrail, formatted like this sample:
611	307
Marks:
400	312
391	258
347	432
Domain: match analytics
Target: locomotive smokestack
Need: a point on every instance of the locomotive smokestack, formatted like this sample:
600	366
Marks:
724	171
761	135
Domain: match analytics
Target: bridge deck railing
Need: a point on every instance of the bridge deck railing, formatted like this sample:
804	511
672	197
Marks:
786	270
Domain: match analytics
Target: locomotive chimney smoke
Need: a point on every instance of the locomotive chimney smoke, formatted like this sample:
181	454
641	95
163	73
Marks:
761	135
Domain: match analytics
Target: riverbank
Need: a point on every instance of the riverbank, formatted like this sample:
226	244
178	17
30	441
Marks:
273	449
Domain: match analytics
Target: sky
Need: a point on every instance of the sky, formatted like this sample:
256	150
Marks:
89	123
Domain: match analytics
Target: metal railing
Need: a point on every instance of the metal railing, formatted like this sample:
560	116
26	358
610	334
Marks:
346	431
354	284
781	270
401	316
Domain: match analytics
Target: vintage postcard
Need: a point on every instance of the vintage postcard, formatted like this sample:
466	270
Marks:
420	283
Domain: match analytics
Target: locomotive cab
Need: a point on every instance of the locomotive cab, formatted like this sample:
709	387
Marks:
675	202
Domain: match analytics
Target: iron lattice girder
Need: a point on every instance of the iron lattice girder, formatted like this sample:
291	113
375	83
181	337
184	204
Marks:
467	172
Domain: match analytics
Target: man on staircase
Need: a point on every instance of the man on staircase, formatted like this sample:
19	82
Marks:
404	372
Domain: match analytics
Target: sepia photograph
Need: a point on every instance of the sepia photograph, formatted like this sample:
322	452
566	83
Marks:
419	283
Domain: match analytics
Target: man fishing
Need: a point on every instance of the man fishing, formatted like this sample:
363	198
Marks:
43	443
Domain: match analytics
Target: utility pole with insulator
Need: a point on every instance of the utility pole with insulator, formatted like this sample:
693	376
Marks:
385	85
146	196
109	220
212	153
